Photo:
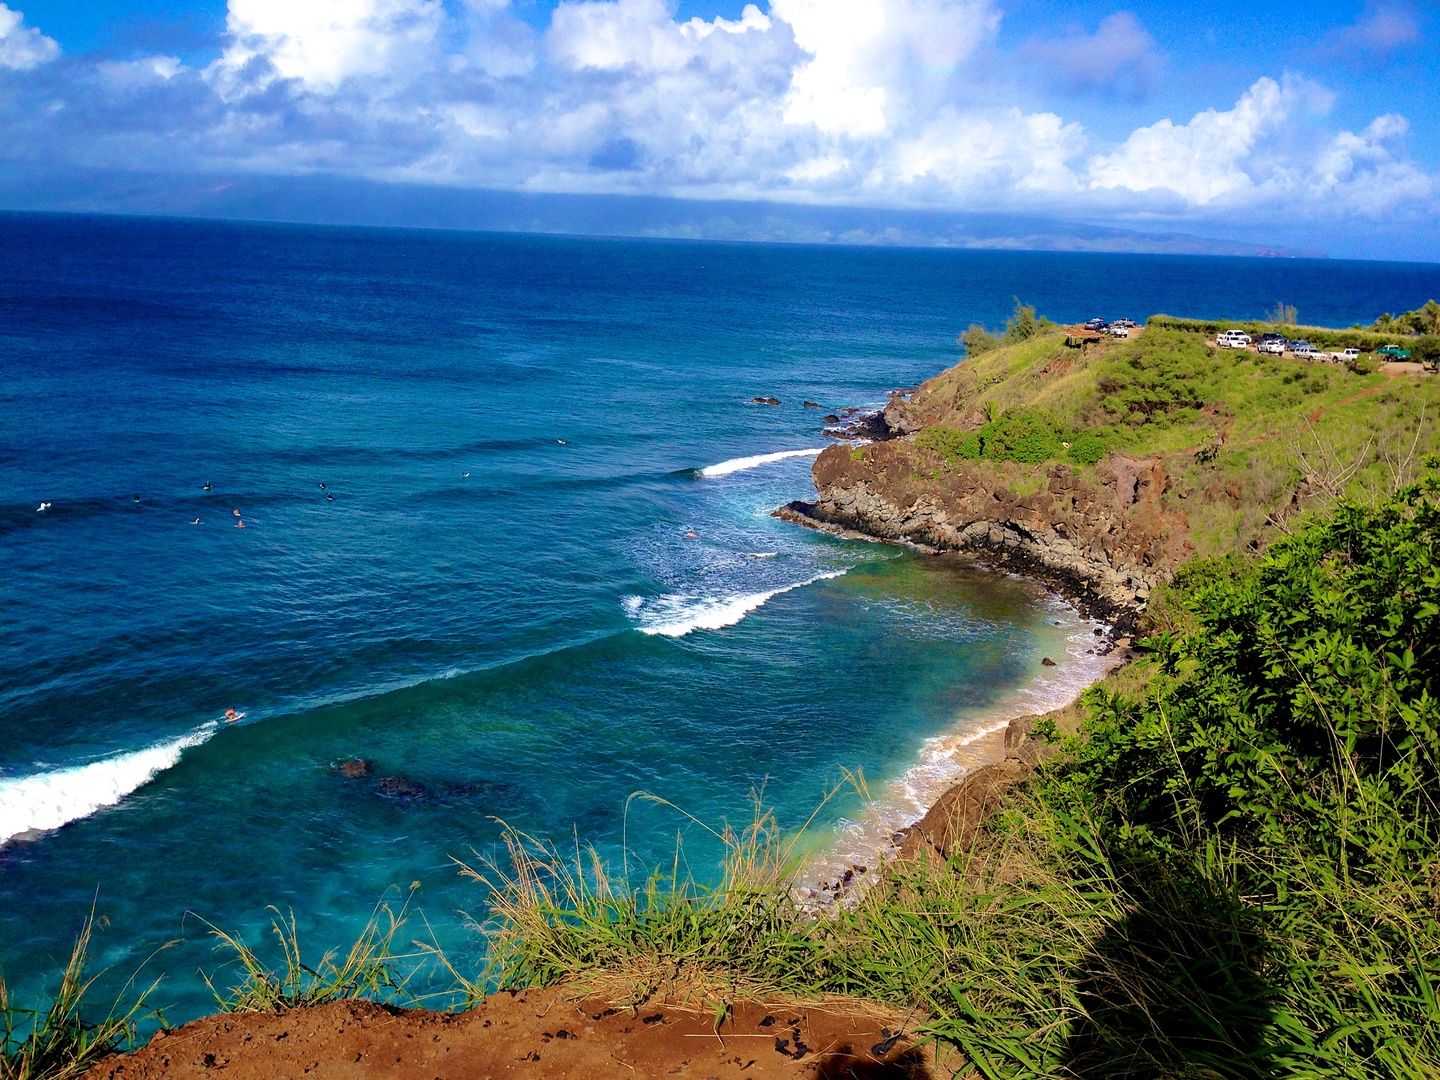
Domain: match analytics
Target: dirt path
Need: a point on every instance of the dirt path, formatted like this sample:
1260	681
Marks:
1318	413
1392	372
535	1034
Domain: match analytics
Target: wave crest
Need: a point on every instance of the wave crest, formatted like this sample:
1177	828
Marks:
740	464
51	799
678	614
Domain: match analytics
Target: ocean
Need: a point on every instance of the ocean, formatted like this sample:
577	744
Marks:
506	538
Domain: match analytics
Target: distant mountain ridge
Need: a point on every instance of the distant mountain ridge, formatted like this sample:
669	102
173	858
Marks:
326	200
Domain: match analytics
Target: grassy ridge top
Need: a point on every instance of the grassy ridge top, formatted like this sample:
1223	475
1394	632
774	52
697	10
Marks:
1238	433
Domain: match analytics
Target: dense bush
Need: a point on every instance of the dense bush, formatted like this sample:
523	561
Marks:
1423	320
977	340
1303	711
1165	371
1018	435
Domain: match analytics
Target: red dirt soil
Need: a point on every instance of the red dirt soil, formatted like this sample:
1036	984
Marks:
534	1034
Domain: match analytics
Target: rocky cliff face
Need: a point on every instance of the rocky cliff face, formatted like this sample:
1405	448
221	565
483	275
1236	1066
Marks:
1108	540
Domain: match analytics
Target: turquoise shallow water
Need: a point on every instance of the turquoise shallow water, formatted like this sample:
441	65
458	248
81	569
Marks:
533	641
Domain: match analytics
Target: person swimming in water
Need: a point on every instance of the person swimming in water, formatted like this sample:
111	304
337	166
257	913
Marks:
195	522
236	511
239	524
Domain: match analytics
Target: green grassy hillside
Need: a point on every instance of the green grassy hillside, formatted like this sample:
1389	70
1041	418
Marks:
1250	443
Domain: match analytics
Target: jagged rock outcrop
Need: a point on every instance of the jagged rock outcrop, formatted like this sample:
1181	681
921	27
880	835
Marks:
1110	539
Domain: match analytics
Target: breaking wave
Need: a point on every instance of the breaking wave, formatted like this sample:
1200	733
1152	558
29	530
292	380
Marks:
740	464
49	800
677	614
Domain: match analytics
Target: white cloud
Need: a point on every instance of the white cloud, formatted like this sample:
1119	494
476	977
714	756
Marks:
870	102
23	47
1262	157
996	152
1206	159
1119	59
322	43
1380	32
873	60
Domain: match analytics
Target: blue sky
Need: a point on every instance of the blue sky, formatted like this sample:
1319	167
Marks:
1305	122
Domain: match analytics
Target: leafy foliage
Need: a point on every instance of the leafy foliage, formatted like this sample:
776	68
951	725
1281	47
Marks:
1024	324
1423	320
1018	435
1166	371
978	340
1306	702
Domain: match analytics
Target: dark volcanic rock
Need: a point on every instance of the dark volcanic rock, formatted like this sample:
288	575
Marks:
765	400
832	419
399	787
811	404
354	768
1105	540
1047	662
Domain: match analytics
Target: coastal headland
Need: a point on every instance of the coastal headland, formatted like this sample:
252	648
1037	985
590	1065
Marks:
1153	482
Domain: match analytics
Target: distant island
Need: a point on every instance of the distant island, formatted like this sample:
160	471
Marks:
324	200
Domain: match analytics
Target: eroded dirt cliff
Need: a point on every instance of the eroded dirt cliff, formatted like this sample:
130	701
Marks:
1110	537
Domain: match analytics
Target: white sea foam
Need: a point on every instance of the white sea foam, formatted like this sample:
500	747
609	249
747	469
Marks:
677	614
740	464
50	799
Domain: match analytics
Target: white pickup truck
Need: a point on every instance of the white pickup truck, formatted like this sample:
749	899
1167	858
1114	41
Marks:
1232	339
1345	355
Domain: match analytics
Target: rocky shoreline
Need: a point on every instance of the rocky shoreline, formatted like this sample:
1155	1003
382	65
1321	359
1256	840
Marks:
1102	544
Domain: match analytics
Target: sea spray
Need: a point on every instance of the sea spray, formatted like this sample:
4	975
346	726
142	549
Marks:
676	615
49	800
741	464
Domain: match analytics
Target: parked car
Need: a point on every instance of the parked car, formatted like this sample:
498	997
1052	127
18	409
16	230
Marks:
1344	356
1233	339
1116	330
1305	351
1128	324
1273	347
1393	352
1096	324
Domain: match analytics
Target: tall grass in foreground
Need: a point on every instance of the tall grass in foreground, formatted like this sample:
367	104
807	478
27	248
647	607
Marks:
369	968
1233	875
555	916
55	1043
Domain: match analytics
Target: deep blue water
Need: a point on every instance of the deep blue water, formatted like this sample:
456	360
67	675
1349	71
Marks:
482	637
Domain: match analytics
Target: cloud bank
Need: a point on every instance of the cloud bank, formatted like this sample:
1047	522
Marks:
890	103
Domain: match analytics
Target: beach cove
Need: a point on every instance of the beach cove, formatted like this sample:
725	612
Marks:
495	599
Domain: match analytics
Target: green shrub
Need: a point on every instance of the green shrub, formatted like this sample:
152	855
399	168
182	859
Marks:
1024	324
977	340
1020	435
1017	435
1304	711
1087	448
1164	371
